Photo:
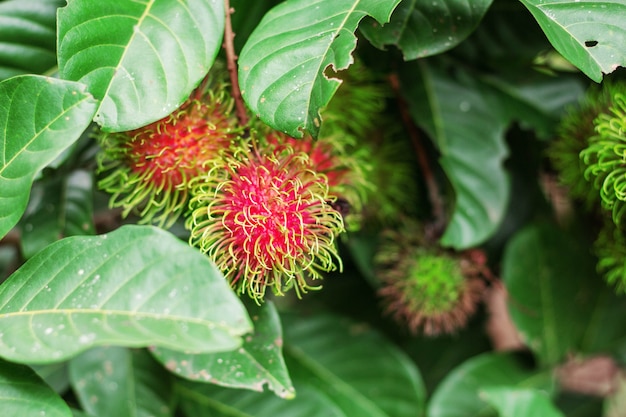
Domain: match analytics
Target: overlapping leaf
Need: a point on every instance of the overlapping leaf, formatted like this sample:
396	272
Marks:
117	381
23	393
458	395
137	286
27	36
142	59
591	34
424	28
40	117
339	368
282	66
459	115
62	206
259	361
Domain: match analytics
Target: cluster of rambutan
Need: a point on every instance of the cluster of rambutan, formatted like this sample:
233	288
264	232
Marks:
265	207
589	154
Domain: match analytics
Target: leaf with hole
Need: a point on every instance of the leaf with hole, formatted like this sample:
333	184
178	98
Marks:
40	117
115	381
257	362
137	286
424	28
283	65
141	59
23	393
591	34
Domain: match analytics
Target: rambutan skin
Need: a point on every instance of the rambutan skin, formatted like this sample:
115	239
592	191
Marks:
147	170
265	220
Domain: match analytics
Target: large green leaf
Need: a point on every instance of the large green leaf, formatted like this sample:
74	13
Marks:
424	28
548	275
40	117
142	59
23	393
282	66
27	36
358	369
59	206
591	34
515	402
115	381
203	400
259	361
339	368
460	115
137	286
459	393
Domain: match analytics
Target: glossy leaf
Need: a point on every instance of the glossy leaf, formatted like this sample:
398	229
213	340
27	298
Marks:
257	362
27	36
338	367
40	117
511	402
468	130
137	286
204	400
116	381
547	274
591	34
465	383
424	28
284	64
59	207
141	59
23	393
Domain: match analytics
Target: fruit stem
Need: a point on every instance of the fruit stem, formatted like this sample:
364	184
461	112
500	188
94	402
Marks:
231	62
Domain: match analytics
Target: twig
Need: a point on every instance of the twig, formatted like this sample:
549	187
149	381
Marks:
231	63
434	196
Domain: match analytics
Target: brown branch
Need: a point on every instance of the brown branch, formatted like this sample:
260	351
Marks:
434	196
231	63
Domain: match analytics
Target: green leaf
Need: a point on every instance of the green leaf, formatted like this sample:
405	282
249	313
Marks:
203	400
142	59
55	375
59	206
259	361
547	274
23	393
460	115
591	34
459	393
424	28
27	36
40	117
282	67
116	381
338	367
358	369
137	286
512	402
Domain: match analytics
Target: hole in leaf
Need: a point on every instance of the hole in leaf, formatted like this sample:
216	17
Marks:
590	44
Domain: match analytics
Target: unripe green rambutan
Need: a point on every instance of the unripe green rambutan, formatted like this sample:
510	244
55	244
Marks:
147	170
263	215
610	249
605	157
427	289
574	135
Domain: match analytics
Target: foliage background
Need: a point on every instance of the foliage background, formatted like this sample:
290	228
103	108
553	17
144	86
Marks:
102	319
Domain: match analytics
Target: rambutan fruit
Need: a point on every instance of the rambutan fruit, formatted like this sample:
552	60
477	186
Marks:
148	170
426	289
263	216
